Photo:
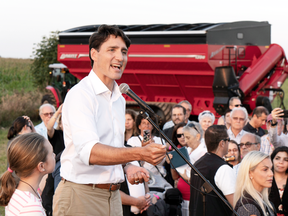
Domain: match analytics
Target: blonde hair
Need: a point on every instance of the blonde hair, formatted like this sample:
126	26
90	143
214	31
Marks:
244	183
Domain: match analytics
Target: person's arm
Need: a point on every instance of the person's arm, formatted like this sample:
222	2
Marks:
230	198
140	202
51	123
272	132
107	155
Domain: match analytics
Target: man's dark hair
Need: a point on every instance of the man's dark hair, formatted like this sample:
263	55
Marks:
179	106
259	110
102	35
213	135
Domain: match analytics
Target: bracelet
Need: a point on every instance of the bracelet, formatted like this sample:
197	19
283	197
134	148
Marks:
274	124
170	148
156	196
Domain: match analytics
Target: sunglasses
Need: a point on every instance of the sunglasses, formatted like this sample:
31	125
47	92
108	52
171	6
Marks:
247	144
226	139
179	135
239	105
193	126
28	125
47	114
204	113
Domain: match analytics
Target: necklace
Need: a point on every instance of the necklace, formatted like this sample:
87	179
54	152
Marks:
31	187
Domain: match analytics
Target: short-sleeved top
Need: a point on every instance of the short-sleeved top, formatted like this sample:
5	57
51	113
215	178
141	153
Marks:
24	203
92	114
57	141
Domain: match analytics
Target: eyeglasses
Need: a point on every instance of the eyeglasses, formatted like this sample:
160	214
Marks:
226	139
28	125
238	119
47	114
192	125
238	105
232	150
247	144
179	135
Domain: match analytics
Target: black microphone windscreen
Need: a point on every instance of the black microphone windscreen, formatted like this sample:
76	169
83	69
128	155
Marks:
124	88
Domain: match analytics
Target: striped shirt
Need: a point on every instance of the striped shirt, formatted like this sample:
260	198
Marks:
24	203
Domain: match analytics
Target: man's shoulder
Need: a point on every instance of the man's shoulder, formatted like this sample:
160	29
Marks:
39	126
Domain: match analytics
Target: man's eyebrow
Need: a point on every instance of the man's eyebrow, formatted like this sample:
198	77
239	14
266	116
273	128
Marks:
115	47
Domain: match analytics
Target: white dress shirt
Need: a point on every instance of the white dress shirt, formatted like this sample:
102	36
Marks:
41	129
91	114
236	138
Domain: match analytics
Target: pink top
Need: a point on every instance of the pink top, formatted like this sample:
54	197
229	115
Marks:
24	203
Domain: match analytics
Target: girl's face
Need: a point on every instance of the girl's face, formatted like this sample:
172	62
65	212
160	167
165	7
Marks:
280	162
129	122
49	164
145	125
180	136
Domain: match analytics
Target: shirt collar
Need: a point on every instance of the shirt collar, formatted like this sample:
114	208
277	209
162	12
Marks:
99	87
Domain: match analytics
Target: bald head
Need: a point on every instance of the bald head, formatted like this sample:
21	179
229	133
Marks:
249	142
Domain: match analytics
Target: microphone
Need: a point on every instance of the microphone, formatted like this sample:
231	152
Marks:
125	89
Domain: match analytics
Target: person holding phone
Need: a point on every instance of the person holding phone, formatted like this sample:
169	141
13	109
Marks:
145	130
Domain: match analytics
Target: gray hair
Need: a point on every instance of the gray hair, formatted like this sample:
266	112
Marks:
206	113
243	109
192	130
187	102
46	105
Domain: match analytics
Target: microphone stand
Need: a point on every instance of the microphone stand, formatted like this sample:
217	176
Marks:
207	187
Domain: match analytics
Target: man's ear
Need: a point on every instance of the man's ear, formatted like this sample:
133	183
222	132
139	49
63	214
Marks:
258	146
198	136
93	53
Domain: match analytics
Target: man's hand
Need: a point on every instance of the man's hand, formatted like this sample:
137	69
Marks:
276	114
135	174
153	153
168	158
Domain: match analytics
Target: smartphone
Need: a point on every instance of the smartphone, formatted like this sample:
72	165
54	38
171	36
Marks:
146	135
285	112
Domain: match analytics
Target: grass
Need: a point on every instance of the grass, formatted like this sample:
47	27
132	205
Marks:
3	158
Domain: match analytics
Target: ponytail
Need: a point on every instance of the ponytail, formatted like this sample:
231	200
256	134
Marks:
11	133
8	186
16	127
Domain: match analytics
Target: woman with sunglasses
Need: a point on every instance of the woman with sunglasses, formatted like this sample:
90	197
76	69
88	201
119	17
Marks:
193	134
253	181
206	119
279	190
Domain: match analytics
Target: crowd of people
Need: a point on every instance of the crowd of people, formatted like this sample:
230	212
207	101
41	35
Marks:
93	157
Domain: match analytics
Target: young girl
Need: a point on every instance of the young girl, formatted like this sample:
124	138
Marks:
30	156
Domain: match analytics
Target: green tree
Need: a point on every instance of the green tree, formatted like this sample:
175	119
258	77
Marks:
44	53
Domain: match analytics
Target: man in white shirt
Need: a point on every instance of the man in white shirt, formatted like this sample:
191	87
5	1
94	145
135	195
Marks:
238	117
216	171
46	111
94	124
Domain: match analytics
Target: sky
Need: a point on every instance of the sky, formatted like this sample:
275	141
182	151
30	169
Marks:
23	23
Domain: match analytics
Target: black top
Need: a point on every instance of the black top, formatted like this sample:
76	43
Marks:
57	141
274	197
260	132
207	166
168	132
